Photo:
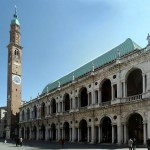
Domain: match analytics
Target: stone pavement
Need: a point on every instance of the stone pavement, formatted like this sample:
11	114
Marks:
45	145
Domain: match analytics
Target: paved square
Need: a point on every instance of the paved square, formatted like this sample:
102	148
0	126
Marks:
45	145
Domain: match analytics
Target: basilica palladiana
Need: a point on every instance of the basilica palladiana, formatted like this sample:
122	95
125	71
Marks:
106	100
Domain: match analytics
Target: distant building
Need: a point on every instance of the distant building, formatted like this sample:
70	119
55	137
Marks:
3	121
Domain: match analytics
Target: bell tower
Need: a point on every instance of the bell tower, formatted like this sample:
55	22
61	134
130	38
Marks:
14	78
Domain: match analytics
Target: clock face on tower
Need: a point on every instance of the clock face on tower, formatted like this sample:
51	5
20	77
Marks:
16	79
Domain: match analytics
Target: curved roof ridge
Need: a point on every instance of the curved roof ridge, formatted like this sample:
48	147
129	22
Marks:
124	48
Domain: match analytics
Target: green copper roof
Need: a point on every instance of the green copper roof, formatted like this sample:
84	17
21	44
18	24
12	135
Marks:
15	18
124	48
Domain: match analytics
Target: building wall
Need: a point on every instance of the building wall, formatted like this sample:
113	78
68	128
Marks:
2	121
120	111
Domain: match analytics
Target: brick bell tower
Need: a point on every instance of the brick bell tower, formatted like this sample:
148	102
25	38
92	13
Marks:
14	78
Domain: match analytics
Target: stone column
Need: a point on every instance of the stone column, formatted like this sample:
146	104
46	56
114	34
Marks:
93	95
100	96
144	132
88	95
119	87
30	135
73	103
99	134
113	133
62	106
73	131
119	133
78	134
125	134
58	107
24	133
92	131
62	133
112	92
143	83
88	133
59	131
46	133
70	134
37	133
124	89
148	124
20	135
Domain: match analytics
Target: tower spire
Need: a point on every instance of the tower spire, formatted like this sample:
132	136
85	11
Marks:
15	15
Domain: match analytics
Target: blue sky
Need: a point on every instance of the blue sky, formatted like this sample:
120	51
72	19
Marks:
59	36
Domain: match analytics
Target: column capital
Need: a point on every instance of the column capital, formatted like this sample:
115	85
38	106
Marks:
124	123
144	122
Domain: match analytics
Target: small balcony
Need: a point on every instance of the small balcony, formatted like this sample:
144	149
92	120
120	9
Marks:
127	99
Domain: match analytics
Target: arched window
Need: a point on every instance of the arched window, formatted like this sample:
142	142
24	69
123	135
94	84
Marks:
23	116
43	110
134	83
53	106
106	91
34	112
16	53
66	102
83	97
28	114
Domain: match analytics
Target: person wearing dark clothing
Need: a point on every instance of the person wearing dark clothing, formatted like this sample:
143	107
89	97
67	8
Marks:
134	144
62	142
17	141
148	143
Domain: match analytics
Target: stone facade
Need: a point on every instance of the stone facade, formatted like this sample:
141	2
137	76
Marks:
107	105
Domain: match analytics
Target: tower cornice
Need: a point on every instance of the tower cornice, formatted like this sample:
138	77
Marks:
13	44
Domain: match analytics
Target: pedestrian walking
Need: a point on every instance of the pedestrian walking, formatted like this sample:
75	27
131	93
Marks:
21	141
17	141
130	142
148	143
62	142
134	144
5	141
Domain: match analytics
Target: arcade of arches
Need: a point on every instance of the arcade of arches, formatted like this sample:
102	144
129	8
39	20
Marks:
103	132
48	120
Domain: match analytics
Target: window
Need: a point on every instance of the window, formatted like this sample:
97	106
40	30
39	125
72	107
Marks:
16	53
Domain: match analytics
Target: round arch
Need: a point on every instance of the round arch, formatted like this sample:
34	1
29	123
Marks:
34	111
83	97
83	130
135	127
28	133
43	132
23	115
28	113
66	131
134	81
66	101
105	87
53	131
43	108
106	124
53	106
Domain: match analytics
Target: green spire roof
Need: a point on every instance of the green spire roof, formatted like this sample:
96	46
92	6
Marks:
124	48
15	18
